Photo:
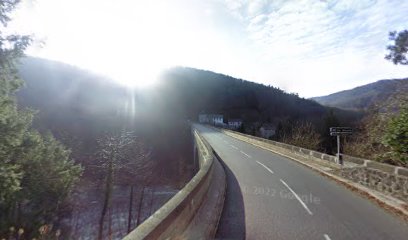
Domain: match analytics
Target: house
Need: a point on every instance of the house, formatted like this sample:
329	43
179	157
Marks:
213	119
267	130
216	119
234	123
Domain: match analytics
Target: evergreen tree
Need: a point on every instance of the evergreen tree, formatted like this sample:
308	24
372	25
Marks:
36	173
398	51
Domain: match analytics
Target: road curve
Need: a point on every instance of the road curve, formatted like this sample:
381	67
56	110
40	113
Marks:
271	197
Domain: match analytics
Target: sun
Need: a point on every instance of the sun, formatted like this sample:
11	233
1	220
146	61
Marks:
130	43
139	76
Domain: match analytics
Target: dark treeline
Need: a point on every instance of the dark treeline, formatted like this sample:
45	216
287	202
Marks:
191	91
81	99
196	91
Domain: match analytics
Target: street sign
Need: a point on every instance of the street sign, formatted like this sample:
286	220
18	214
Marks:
340	131
334	131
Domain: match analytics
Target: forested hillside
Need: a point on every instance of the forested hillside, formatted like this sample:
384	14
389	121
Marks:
78	106
363	97
382	133
197	91
70	99
182	92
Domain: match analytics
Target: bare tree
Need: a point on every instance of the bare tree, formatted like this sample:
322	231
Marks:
303	135
124	158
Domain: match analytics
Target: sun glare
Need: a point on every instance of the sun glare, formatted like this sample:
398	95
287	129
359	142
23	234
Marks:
131	42
137	77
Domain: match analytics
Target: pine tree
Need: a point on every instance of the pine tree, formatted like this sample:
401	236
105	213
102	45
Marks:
36	172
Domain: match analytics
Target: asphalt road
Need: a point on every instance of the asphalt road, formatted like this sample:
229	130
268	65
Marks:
272	197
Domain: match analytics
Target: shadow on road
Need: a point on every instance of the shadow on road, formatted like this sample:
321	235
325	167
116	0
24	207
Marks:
232	222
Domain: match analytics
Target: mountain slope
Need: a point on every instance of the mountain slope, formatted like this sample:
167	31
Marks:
196	91
65	93
79	107
84	104
363	97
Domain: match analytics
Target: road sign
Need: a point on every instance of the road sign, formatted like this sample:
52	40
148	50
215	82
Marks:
334	131
340	131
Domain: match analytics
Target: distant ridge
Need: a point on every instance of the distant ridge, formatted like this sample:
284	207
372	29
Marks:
363	97
84	103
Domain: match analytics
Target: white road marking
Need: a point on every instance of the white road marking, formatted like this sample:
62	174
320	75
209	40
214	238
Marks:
265	167
297	197
225	141
234	147
326	237
245	154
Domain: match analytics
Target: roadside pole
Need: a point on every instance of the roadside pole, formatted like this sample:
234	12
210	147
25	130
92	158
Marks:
338	132
339	156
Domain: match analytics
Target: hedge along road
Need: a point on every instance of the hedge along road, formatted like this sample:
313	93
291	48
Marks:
272	197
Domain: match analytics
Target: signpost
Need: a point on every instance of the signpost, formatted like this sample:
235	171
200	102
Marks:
340	131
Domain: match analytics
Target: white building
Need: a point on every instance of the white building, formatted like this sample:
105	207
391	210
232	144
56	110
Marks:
234	123
213	119
217	119
267	130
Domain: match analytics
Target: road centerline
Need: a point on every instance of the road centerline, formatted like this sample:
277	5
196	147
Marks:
265	167
326	237
234	147
297	197
245	154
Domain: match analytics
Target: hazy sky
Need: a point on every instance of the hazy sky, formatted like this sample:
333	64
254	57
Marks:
310	47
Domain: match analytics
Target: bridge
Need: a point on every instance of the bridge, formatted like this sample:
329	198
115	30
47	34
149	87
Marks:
264	191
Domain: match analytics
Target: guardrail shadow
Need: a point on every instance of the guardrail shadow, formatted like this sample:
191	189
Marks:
232	221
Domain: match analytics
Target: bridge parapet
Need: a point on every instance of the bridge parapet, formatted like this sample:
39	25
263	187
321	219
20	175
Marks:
388	179
186	215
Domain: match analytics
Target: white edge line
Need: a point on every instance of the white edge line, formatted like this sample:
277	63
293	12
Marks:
234	147
265	167
245	154
326	237
297	197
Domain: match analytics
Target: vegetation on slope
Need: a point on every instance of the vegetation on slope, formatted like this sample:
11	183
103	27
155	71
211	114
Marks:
383	132
81	99
36	172
363	97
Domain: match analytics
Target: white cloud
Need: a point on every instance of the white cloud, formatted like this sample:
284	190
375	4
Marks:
311	46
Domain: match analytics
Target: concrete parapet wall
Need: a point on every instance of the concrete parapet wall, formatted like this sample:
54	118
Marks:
388	179
174	220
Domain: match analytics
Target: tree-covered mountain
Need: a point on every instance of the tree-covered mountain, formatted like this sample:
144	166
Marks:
80	106
363	97
73	98
194	91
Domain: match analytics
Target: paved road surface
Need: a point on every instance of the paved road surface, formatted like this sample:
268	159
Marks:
271	197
